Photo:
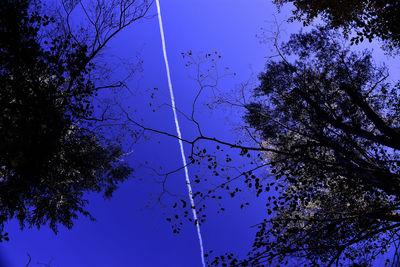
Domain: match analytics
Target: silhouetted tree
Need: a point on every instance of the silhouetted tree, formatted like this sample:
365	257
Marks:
328	124
49	154
369	19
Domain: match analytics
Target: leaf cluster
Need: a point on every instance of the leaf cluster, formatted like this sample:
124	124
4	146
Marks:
370	19
49	156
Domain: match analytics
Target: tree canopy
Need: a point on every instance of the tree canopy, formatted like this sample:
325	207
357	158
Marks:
370	19
328	123
49	156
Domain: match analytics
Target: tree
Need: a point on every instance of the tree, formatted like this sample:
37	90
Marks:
49	154
328	124
369	19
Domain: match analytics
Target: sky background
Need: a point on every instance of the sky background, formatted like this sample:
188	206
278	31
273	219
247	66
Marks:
127	232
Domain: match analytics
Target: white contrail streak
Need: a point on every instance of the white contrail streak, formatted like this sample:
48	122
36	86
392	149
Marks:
189	186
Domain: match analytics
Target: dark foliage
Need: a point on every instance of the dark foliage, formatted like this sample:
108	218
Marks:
49	157
329	124
370	19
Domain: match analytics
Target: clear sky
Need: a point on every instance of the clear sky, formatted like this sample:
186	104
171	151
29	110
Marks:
126	233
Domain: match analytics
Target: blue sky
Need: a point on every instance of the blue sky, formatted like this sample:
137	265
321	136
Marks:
126	233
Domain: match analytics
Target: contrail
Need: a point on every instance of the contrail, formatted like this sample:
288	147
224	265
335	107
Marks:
189	186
